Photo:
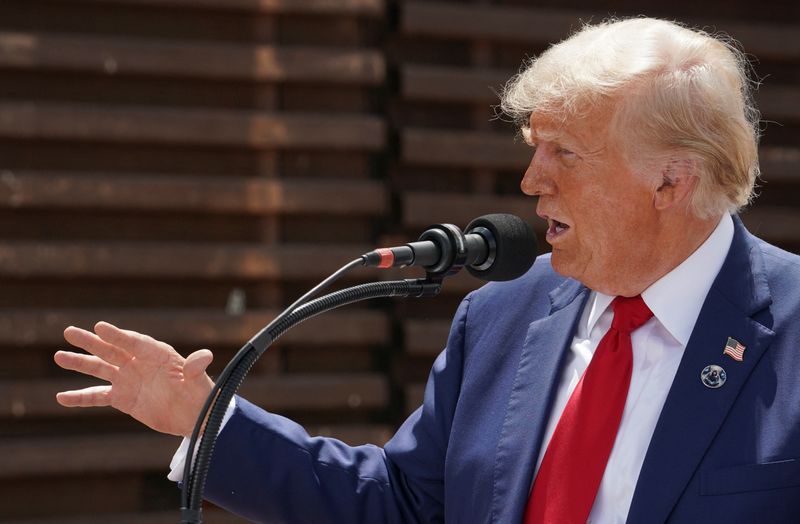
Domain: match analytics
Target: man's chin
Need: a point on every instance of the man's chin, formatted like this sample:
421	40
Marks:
567	265
562	263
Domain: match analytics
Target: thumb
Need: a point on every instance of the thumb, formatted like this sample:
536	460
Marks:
196	363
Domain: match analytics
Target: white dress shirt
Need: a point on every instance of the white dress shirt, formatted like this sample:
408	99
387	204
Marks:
675	300
658	345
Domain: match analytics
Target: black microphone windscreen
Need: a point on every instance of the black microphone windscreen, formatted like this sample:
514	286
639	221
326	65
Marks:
516	246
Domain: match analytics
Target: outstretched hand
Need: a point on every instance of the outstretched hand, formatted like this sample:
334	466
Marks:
150	381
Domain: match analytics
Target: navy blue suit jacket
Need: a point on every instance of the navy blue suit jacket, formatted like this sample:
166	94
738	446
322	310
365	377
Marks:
467	455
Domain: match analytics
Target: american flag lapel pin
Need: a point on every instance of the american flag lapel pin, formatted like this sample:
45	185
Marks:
734	349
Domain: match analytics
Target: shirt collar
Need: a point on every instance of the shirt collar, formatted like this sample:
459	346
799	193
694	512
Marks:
676	298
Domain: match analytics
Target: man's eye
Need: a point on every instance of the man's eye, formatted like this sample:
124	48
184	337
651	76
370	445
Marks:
566	153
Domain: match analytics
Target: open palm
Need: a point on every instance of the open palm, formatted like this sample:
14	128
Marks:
149	380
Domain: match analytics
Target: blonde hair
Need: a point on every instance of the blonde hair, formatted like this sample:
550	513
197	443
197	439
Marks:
676	94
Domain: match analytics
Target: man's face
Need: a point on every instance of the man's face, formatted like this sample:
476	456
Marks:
602	224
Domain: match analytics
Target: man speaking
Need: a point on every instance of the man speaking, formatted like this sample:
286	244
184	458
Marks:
645	372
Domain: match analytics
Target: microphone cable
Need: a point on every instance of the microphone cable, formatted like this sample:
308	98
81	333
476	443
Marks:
240	355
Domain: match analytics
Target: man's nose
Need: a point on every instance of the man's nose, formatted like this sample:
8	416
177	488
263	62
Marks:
536	180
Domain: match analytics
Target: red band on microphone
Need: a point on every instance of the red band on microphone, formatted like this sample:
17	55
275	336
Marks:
387	257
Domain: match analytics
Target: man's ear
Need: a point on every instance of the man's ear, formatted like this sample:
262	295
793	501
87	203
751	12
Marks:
678	181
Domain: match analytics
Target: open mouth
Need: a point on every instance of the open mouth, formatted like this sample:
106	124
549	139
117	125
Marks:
555	229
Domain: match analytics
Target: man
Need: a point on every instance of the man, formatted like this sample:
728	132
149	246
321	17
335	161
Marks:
645	372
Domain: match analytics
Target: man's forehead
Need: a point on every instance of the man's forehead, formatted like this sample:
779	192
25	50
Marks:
589	135
589	120
541	128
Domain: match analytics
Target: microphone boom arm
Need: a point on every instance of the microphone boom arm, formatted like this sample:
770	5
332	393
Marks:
495	247
232	377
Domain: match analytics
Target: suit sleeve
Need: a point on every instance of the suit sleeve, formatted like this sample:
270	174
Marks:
266	468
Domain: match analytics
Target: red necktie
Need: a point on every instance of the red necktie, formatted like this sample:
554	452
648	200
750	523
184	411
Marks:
574	462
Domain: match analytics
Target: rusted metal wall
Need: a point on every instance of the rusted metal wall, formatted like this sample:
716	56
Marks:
188	167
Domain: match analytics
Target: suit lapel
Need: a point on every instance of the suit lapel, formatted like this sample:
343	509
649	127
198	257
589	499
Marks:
530	401
693	413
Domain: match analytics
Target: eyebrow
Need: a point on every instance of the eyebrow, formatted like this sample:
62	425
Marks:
562	139
526	135
531	136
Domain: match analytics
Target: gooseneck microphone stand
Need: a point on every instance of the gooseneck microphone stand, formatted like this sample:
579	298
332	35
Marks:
442	250
231	378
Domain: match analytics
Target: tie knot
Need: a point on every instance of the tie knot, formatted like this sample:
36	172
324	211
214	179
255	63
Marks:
629	313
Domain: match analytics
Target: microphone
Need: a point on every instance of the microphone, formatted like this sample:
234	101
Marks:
495	247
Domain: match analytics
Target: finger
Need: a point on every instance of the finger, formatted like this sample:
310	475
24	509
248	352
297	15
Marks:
196	363
86	364
137	344
96	346
95	396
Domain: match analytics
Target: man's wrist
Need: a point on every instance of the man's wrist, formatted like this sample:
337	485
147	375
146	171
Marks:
178	462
